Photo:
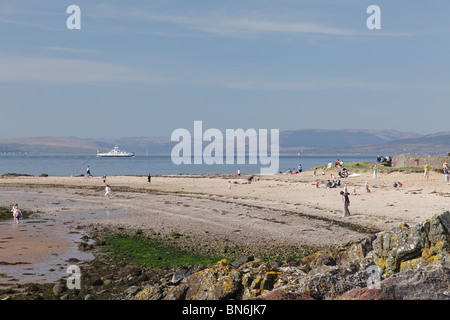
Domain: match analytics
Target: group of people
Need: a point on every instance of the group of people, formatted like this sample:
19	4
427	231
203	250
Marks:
386	159
295	171
331	184
445	169
338	164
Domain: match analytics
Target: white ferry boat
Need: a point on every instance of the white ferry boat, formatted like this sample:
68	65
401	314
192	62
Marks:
116	152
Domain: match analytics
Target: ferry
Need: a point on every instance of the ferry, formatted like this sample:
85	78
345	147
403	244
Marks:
116	152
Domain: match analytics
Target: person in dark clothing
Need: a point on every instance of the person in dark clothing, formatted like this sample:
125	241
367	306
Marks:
149	179
346	200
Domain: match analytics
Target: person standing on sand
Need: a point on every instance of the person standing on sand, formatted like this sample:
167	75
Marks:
239	172
426	171
149	178
16	213
108	191
229	185
446	175
104	178
346	200
375	169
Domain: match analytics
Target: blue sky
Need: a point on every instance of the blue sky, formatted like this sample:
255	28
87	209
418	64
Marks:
146	68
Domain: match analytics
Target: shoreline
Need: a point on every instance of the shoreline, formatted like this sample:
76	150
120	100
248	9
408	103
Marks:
279	211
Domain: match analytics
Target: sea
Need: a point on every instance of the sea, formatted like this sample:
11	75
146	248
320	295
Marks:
60	165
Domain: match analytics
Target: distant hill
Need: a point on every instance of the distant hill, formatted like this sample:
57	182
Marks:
73	145
319	141
431	144
308	141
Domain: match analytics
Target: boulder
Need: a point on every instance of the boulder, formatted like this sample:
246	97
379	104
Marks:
410	248
218	282
259	277
280	294
428	283
180	275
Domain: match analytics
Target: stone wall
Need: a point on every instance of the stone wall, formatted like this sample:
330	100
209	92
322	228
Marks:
409	161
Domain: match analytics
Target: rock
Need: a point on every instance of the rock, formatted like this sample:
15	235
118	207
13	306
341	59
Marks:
276	264
389	254
33	287
131	292
180	275
97	282
258	278
410	248
85	246
283	295
89	297
322	258
215	283
58	289
241	260
149	293
429	283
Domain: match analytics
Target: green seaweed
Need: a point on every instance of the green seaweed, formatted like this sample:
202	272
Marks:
147	251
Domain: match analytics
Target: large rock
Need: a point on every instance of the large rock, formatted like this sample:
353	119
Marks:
429	283
223	281
410	248
258	278
215	283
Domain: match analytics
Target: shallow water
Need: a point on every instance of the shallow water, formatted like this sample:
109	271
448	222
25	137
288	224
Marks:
38	250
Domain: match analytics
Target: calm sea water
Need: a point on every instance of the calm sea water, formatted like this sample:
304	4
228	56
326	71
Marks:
68	165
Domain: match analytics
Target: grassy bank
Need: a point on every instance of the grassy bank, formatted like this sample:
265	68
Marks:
366	166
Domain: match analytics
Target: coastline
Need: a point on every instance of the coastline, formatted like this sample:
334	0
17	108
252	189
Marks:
279	211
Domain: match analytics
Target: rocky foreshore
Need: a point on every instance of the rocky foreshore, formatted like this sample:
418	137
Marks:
403	263
406	262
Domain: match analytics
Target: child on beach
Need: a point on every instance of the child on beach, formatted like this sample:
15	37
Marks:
108	191
16	214
446	175
229	185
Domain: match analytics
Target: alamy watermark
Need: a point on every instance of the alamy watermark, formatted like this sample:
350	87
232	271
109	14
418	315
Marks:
236	144
74	279
74	20
374	280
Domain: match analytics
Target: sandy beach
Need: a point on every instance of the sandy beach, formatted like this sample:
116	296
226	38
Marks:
274	211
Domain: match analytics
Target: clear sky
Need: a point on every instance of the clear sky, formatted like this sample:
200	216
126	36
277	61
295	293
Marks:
146	68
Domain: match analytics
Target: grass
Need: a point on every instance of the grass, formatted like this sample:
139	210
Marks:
366	166
151	252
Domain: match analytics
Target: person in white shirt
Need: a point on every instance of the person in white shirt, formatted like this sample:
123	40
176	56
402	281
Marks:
16	213
108	191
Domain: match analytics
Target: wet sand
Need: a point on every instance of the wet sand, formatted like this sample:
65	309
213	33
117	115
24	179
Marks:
38	250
